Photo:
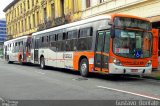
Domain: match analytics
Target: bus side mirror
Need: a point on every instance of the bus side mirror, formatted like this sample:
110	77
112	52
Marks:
112	32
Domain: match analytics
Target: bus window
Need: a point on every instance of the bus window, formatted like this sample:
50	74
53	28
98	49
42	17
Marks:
107	42
60	37
47	39
42	39
85	40
52	38
53	42
72	34
71	44
100	39
61	42
86	32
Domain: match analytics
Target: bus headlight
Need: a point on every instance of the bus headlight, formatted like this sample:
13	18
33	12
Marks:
149	64
117	62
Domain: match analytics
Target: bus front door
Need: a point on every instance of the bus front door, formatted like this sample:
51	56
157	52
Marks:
102	51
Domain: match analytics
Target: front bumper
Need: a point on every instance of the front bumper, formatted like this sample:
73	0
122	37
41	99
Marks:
114	69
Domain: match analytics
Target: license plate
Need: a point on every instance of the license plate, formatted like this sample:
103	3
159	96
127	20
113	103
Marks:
134	70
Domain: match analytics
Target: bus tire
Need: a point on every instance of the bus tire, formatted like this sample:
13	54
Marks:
42	63
84	67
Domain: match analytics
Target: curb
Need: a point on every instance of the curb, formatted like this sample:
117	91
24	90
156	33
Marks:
2	59
150	77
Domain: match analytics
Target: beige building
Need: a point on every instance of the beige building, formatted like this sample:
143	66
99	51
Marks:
27	16
143	8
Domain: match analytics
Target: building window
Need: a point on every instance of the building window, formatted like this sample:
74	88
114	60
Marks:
23	25
101	1
37	18
52	11
26	24
88	3
75	5
62	7
21	8
32	3
33	20
45	14
15	12
29	19
24	6
20	26
28	4
17	28
18	10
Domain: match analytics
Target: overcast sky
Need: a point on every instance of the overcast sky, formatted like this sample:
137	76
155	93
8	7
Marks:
3	4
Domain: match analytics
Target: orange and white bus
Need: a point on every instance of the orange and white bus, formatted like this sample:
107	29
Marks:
18	50
110	44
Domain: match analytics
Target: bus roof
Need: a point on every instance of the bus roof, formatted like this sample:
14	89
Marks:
74	24
12	40
96	18
129	16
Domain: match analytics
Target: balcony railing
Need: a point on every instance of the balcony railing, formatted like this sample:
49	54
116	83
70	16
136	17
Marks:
46	25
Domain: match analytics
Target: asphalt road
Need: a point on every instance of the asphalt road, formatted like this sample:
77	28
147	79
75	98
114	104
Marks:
27	82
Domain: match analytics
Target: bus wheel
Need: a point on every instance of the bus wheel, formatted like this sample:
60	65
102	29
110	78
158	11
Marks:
84	67
42	63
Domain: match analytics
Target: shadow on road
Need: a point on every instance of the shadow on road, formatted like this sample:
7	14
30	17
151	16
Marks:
125	78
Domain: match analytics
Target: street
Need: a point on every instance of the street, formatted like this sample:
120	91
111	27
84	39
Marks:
29	82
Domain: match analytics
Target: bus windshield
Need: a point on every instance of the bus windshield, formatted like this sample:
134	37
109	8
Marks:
132	23
132	44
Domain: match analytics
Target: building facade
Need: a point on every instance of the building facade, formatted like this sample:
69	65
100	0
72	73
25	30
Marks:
143	8
2	35
25	17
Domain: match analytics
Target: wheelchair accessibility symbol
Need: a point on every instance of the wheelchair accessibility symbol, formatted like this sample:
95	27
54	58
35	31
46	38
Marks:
138	54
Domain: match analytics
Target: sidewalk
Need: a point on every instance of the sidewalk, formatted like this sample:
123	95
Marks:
155	75
1	59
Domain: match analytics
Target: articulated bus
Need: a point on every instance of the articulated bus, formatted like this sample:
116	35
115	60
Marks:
18	50
109	44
